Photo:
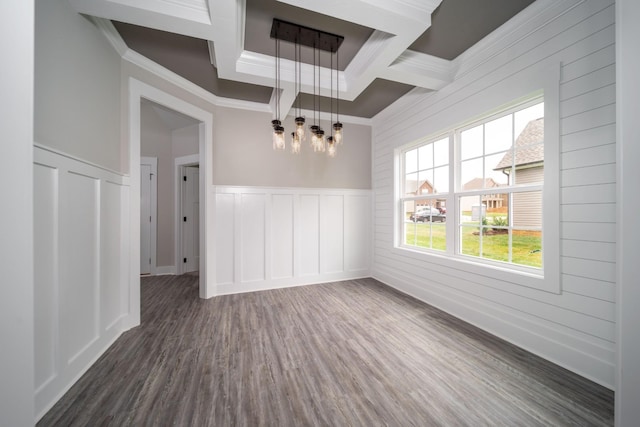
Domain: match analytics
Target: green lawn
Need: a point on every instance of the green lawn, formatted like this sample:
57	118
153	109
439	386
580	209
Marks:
526	249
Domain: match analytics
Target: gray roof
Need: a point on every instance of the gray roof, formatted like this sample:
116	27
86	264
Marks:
531	138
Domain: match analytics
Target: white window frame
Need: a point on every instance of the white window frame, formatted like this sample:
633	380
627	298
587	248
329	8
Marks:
547	279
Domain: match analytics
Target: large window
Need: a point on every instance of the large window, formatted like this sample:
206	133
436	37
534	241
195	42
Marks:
476	192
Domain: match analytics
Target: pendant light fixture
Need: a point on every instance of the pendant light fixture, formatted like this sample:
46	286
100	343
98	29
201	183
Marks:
318	41
278	129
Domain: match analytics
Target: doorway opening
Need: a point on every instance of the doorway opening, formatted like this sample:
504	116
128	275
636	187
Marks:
139	91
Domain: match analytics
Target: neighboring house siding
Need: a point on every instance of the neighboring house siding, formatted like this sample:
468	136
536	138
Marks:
526	206
575	328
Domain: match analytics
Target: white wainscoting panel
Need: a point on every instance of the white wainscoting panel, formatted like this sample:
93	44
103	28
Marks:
225	238
281	236
45	209
356	227
80	268
308	222
332	231
277	237
252	237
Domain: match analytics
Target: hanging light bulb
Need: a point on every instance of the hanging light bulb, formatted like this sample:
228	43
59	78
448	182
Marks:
295	143
320	142
300	128
331	146
278	135
314	136
337	132
337	126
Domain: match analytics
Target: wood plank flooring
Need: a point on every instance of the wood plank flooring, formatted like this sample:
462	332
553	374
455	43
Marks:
353	353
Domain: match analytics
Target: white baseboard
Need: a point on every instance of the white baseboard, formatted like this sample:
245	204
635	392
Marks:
164	270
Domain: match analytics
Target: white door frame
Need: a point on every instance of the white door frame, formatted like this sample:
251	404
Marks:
153	209
180	162
137	91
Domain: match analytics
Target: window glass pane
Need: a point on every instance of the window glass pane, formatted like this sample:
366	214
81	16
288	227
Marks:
411	161
497	210
441	179
527	209
523	117
424	225
409	233
425	182
471	174
498	135
470	210
409	229
411	184
437	233
495	177
441	152
469	241
495	228
471	144
527	248
425	156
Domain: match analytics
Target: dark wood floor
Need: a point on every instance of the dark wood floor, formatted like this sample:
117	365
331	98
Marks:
354	353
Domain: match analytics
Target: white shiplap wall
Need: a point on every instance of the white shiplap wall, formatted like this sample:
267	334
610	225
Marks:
575	328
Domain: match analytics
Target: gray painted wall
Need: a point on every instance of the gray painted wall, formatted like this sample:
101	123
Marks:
243	153
77	86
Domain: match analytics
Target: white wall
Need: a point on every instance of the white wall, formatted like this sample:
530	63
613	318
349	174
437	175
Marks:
277	237
81	201
627	410
16	216
80	271
77	86
575	328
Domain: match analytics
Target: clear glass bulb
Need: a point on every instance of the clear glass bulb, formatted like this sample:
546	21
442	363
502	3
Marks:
300	128
295	143
321	141
278	138
331	147
337	132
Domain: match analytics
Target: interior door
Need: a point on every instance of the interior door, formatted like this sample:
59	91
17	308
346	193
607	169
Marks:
145	219
191	219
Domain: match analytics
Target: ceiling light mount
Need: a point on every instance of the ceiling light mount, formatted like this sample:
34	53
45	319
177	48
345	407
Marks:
305	36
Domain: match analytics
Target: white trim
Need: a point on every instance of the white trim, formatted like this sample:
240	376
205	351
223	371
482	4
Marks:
153	209
165	270
180	162
137	91
627	372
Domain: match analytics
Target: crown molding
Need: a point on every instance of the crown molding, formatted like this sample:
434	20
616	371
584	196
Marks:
536	15
146	64
110	33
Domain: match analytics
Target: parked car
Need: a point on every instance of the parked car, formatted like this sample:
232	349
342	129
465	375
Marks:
428	213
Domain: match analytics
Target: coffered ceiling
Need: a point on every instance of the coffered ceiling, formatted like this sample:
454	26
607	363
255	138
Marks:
224	46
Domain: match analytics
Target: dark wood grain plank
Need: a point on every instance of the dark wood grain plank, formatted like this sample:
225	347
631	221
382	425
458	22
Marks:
349	353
